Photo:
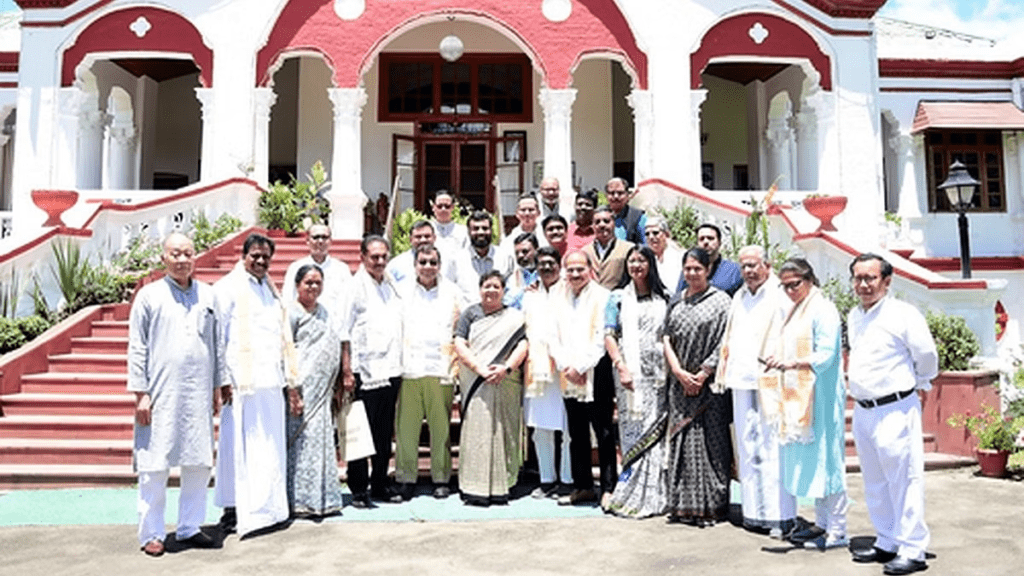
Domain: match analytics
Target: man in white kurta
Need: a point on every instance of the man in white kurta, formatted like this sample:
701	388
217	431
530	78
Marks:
252	459
759	302
402	270
527	213
543	407
336	272
589	401
892	356
430	310
173	369
451	236
372	366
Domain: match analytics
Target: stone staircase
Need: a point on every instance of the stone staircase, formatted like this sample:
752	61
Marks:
71	423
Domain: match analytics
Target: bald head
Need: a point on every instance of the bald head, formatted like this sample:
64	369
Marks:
549	191
179	258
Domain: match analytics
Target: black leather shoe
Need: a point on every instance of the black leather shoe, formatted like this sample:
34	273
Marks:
200	540
228	521
362	501
873	554
407	491
388	494
806	535
901	565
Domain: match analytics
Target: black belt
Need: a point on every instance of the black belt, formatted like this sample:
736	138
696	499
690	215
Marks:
885	399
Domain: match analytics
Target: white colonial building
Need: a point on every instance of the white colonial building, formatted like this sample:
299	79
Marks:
174	105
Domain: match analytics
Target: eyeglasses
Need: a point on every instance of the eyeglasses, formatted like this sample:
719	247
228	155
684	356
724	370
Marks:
443	206
319	237
865	279
654	232
427	262
258	256
790	286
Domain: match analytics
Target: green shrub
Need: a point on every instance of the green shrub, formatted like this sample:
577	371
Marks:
10	336
293	206
956	343
140	255
842	296
682	221
32	326
206	235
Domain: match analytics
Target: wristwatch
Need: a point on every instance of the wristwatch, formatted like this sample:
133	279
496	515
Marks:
508	369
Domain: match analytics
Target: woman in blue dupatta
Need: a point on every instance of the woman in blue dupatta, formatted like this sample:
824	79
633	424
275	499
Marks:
490	340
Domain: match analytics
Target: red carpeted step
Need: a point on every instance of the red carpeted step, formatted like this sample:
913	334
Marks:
40	404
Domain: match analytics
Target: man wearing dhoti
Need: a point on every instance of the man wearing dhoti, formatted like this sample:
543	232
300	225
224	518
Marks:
543	407
259	363
757	304
173	369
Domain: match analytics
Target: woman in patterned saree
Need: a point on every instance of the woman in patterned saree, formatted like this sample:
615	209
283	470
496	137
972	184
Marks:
313	486
490	340
634	320
700	448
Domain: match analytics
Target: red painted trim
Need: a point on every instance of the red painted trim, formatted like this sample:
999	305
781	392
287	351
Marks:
932	89
594	26
58	231
170	32
960	69
984	263
8	84
729	37
110	205
61	23
9	61
945	285
819	23
848	8
695	195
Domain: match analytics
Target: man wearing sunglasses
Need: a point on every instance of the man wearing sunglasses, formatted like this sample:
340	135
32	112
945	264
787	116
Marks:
336	272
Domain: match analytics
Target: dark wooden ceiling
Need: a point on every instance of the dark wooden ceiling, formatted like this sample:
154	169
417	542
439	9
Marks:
158	69
744	72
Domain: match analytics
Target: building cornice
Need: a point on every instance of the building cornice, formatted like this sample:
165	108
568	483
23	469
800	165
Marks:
35	4
847	8
965	69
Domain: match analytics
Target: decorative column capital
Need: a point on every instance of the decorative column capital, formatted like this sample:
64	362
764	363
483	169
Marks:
697	98
264	99
348	103
642	103
557	103
122	135
206	101
70	101
93	120
806	124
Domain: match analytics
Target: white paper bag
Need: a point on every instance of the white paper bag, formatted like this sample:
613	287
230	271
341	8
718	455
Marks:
354	435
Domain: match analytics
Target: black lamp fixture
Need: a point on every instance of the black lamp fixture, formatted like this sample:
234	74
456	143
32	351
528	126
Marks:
960	188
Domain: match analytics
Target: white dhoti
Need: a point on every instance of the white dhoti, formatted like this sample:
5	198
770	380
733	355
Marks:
252	461
153	501
891	456
765	504
546	415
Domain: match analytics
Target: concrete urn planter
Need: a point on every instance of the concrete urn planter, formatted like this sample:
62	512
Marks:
957	392
992	462
54	203
825	208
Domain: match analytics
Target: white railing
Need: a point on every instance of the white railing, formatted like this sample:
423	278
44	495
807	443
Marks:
102	229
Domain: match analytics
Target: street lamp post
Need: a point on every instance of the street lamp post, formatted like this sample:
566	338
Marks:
959	188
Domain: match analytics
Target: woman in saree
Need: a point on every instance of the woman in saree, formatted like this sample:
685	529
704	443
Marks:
634	320
803	395
699	443
313	485
490	341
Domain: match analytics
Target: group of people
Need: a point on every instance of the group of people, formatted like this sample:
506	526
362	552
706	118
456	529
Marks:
554	331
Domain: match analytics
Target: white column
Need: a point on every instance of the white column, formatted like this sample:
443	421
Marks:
71	102
913	187
207	104
697	98
779	140
121	140
346	194
557	106
90	149
806	124
264	100
642	103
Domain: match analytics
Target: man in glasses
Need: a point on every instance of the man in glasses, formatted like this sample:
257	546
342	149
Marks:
430	310
630	223
549	195
402	268
892	356
336	272
448	232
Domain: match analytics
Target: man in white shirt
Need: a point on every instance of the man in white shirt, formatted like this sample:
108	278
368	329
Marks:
669	256
259	362
402	271
550	195
372	366
892	356
430	310
525	272
483	255
527	211
449	233
759	302
336	272
589	399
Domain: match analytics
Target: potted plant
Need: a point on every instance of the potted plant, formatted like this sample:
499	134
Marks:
996	436
291	207
824	207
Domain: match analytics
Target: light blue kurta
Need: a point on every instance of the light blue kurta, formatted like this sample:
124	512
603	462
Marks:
817	469
172	356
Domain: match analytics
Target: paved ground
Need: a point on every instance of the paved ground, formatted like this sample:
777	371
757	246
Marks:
977	529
